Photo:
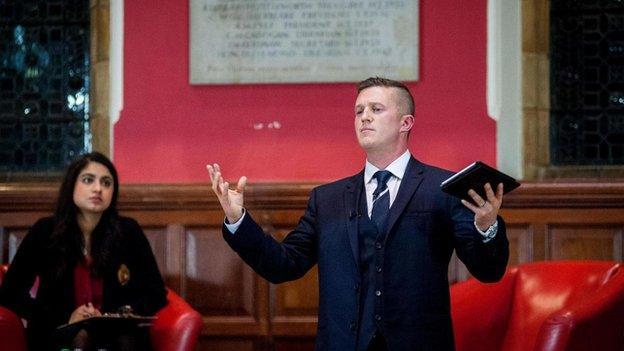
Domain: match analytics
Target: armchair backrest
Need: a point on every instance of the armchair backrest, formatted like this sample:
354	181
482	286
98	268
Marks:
544	288
177	326
539	306
11	331
596	323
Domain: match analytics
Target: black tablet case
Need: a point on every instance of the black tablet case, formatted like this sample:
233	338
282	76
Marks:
474	177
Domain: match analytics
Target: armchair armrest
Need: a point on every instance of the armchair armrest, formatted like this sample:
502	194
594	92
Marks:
11	331
177	326
596	323
481	311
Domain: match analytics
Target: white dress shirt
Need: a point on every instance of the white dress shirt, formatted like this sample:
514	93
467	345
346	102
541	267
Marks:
397	168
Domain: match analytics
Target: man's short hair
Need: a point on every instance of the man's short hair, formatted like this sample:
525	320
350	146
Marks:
405	95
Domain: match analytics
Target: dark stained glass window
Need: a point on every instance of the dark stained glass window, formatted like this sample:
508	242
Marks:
44	85
587	82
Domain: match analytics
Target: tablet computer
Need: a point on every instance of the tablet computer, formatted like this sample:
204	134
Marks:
474	177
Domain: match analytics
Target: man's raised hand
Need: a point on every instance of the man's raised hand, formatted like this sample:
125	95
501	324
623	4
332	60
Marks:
231	200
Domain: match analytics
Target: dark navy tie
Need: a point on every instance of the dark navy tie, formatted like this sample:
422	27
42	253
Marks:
381	200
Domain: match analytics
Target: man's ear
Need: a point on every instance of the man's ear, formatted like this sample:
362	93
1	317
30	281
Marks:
407	122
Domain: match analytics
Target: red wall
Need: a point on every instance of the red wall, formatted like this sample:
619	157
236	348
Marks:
169	129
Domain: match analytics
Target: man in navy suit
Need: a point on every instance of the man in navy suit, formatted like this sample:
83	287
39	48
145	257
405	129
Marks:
382	238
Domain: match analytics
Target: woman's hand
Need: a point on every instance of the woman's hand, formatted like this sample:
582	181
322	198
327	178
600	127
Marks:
83	312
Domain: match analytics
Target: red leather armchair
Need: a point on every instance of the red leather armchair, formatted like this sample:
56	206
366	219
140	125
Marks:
554	306
11	327
176	328
11	331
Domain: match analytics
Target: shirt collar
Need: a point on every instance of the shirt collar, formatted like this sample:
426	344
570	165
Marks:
397	167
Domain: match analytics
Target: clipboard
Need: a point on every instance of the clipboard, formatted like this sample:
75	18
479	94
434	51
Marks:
107	323
474	177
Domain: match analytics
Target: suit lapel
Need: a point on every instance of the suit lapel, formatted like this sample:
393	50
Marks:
411	180
353	191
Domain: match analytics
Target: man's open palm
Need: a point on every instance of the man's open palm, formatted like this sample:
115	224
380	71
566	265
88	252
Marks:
231	200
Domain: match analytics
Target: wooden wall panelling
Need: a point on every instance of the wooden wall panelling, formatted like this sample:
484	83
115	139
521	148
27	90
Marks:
290	344
174	269
228	344
567	233
215	271
538	244
520	243
577	242
157	237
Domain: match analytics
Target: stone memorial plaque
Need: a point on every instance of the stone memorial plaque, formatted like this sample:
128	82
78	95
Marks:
291	41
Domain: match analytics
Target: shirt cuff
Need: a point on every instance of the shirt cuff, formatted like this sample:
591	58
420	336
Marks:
490	233
233	227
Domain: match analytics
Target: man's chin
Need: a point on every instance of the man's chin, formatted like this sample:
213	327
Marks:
366	144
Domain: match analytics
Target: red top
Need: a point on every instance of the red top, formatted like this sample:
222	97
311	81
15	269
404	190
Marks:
86	287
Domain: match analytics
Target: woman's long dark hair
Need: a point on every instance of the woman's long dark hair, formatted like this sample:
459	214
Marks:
67	239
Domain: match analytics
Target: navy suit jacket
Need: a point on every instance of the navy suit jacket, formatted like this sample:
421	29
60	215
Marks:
425	225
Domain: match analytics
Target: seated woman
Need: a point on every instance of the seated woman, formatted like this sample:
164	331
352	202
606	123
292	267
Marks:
89	261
